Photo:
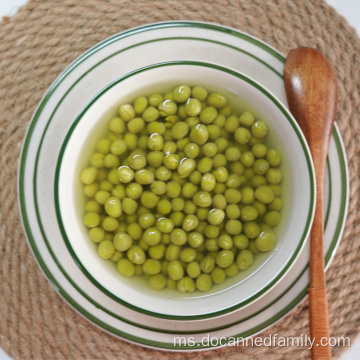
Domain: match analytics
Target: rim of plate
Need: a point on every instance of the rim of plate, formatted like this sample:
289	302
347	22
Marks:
334	243
295	127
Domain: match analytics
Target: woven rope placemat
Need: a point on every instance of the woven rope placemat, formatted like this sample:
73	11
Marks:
37	44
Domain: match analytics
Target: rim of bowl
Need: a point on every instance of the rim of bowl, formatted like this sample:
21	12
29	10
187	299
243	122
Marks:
289	262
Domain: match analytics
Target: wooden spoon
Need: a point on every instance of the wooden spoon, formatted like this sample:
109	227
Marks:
311	91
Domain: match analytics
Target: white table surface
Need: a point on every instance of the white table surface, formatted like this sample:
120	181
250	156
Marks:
350	9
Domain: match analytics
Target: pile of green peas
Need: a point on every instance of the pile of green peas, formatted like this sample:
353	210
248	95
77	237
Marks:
183	190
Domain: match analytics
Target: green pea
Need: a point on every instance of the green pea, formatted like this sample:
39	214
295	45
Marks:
106	249
261	166
163	173
275	205
191	150
218	275
140	104
193	269
225	242
216	100
221	174
151	266
136	125
178	237
88	175
232	153
117	125
247	158
136	255
157	251
186	167
231	124
241	242
233	227
150	114
125	267
171	161
96	234
216	216
232	196
164	207
144	177
251	229
212	231
259	129
111	161
204	165
259	150
92	219
134	190
208	182
91	189
209	149
186	284
248	213
219	160
125	174
265	241
203	282
149	199
129	206
274	176
122	241
151	236
113	206
155	158
155	99
242	135
221	144
190	207
208	114
167	107
96	161
180	130
135	231
190	222
165	225
264	194
199	93
110	224
207	264
246	118
126	112
175	270
188	254
273	156
172	252
214	130
157	282
195	239
192	107
192	121
199	134
103	146
155	142
181	93
272	218
244	259
177	204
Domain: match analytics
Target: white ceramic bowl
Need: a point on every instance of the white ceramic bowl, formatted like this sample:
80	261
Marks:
298	186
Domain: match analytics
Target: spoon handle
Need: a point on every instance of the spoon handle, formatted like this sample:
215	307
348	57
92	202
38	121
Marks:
311	91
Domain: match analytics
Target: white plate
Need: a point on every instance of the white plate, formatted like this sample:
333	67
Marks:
55	114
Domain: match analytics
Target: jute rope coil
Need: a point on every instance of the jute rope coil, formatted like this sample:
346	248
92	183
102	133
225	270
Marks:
46	36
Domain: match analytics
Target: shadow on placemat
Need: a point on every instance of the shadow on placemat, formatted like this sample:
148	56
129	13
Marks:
41	41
